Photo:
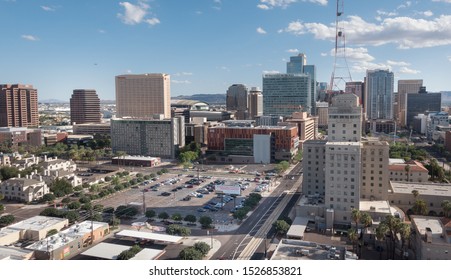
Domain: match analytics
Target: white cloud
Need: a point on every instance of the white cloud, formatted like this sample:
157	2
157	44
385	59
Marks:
270	4
101	31
293	51
135	14
180	82
183	74
152	21
128	71
225	68
323	54
271	72
428	13
449	58
261	30
387	14
445	1
30	37
48	9
406	5
397	63
405	70
401	31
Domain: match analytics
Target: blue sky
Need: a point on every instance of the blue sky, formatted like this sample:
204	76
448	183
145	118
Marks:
208	45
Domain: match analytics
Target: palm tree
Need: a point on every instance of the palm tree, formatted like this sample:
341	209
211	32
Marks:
381	232
404	230
415	194
354	238
355	215
407	169
393	227
420	207
366	220
446	205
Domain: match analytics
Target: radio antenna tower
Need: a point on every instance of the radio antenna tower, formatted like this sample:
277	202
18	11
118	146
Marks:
341	73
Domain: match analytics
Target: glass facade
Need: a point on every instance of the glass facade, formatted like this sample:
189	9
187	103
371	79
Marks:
284	94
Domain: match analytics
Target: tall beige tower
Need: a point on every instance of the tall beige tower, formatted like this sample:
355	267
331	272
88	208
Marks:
143	95
405	87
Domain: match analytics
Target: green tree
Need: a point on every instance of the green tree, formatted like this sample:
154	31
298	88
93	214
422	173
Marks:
98	208
51	232
86	206
355	216
6	220
282	166
74	205
48	197
1	196
404	231
188	156
163	216
72	216
50	212
130	253
61	187
202	247
298	156
2	208
8	172
381	232
281	226
446	206
190	218
353	238
415	194
176	217
190	253
150	214
420	207
407	169
84	199
240	214
365	220
205	221
66	200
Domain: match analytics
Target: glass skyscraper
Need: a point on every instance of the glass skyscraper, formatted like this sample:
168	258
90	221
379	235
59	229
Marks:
379	91
298	65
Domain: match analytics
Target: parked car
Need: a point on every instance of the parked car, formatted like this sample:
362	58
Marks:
165	193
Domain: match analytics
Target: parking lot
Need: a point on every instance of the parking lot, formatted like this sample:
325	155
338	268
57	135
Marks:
181	192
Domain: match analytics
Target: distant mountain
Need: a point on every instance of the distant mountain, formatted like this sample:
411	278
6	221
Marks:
52	101
218	99
107	101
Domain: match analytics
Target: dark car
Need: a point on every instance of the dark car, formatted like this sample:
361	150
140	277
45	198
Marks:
186	198
165	193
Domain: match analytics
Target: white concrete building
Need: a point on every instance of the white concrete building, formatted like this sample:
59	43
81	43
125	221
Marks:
23	189
432	238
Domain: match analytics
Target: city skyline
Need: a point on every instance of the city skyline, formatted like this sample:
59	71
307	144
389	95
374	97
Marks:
209	45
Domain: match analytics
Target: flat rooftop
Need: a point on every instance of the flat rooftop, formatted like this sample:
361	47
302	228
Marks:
423	222
378	206
106	251
14	253
148	254
83	228
38	223
7	231
422	188
136	158
150	236
51	243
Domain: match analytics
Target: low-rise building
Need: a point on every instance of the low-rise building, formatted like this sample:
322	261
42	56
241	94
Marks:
401	195
5	160
23	189
432	238
69	242
142	161
14	253
411	171
35	228
92	128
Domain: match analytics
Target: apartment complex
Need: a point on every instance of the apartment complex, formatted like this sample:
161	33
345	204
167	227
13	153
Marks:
84	107
18	106
23	189
143	96
158	138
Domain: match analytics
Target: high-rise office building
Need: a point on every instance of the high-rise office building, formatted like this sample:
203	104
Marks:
84	107
379	91
357	88
255	103
284	94
298	65
143	95
159	138
237	100
405	87
420	103
18	106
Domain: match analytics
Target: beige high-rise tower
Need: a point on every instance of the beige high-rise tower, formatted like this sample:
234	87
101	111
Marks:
405	87
143	95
